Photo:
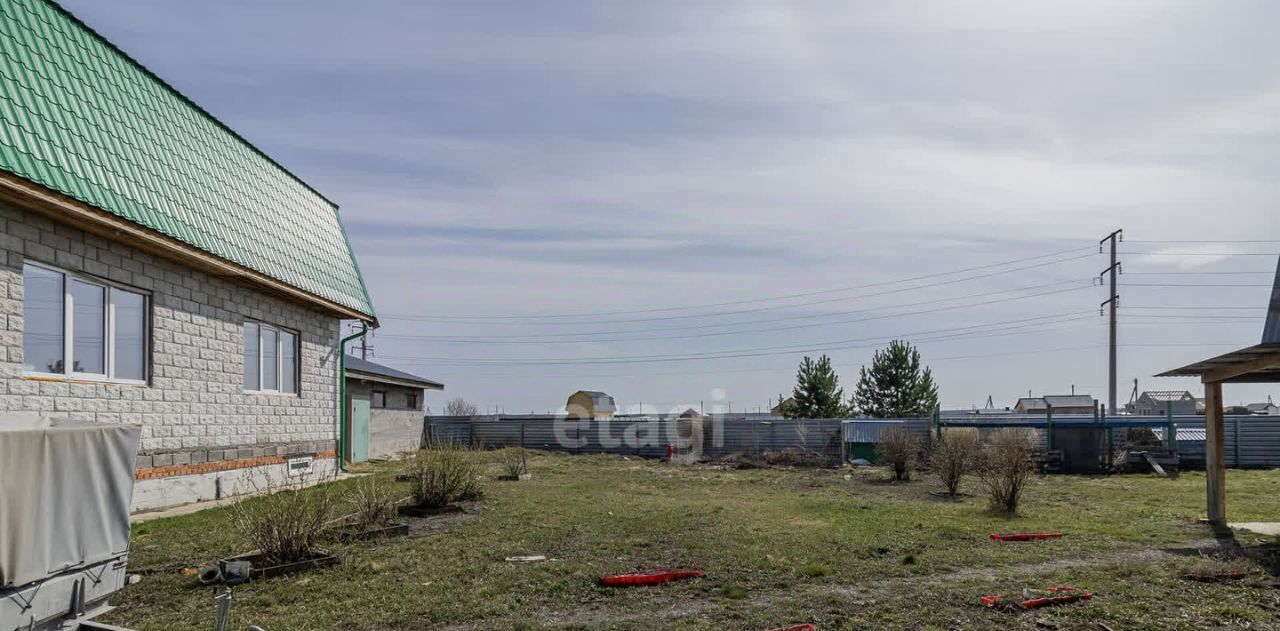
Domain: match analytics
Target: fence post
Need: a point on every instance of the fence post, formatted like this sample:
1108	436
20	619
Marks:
1235	437
1048	421
522	446
937	423
1111	448
1170	432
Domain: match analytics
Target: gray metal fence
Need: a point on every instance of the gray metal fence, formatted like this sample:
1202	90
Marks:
646	437
714	437
1249	441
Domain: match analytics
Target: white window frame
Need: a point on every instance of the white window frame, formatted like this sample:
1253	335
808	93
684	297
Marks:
109	330
279	367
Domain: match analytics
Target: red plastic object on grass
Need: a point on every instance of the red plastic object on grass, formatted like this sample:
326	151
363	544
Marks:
1027	536
797	627
1038	597
649	578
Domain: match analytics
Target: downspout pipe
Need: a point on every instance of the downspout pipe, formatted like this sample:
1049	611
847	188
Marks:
344	412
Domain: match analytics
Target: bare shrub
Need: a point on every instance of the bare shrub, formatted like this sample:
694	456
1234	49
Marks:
442	475
287	523
954	456
899	449
515	462
1005	468
460	407
372	504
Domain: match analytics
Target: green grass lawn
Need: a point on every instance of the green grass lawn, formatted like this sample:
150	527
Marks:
780	547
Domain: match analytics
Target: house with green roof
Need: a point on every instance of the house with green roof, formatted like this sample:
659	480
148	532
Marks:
156	268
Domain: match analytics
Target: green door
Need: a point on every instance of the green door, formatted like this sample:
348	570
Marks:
359	430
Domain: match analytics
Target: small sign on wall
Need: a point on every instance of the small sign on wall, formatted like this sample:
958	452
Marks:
299	465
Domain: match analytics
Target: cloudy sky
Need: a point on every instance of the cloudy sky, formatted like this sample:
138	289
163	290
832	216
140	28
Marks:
675	201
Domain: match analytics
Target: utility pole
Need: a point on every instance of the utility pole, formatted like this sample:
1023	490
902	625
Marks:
1113	302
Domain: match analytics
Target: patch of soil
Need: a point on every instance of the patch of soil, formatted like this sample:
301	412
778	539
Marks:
427	525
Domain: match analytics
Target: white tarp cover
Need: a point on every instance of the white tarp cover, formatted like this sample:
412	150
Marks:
65	488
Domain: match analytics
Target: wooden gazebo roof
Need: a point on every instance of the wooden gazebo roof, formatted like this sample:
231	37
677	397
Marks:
1256	364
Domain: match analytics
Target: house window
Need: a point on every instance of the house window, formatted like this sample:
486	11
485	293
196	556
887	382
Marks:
379	399
82	328
270	359
411	400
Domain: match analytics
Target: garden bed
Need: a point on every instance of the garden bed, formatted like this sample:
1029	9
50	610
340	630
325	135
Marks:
260	570
423	511
349	535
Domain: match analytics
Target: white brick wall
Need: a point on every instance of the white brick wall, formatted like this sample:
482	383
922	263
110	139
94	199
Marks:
195	399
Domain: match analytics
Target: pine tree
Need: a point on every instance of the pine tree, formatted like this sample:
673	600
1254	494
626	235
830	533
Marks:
895	386
817	393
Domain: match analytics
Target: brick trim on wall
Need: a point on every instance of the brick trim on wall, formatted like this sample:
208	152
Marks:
221	465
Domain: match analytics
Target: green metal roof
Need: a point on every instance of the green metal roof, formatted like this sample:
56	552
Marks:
80	117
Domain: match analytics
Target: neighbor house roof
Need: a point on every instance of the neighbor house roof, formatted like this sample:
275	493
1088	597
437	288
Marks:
365	369
1057	401
600	401
81	118
1165	396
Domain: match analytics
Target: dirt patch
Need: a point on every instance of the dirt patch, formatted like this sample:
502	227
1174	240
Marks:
435	524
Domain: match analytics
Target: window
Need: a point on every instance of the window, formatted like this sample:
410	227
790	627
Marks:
378	399
412	400
82	328
270	359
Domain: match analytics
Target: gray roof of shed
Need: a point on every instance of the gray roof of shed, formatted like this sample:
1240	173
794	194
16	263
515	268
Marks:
378	372
600	401
1057	401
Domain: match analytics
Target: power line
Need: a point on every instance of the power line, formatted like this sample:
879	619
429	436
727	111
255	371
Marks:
494	319
1196	285
726	354
1176	307
1214	241
1204	253
791	369
1197	273
581	337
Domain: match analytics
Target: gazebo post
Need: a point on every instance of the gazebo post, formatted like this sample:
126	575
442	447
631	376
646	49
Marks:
1215	453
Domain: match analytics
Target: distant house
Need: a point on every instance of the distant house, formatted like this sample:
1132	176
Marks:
781	408
1157	402
385	404
1061	404
590	404
1264	409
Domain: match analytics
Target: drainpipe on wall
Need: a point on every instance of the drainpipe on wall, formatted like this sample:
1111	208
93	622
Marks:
344	410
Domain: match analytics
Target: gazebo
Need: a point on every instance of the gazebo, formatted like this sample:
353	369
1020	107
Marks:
1255	364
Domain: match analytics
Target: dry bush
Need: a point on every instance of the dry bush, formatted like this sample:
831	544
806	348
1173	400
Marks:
1005	467
899	449
442	475
287	523
372	504
954	456
515	462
